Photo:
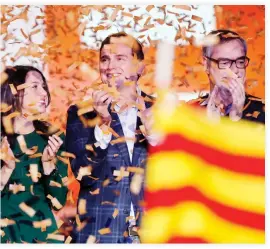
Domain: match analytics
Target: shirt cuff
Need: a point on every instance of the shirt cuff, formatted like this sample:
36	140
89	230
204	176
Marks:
102	139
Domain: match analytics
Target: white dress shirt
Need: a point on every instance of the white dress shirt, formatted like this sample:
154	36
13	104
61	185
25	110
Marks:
128	119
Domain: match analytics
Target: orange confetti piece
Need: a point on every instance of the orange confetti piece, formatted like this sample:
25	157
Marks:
13	89
127	14
115	155
106	182
65	180
5	108
55	184
15	188
104	231
183	7
68	240
149	7
68	154
82	207
196	18
108	202
115	213
34	172
136	184
121	140
42	223
6	222
256	114
3	77
36	155
56	237
25	36
91	239
95	192
84	171
28	210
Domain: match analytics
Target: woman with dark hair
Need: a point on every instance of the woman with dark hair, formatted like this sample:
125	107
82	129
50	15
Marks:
33	178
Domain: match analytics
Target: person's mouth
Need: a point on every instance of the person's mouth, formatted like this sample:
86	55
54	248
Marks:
111	75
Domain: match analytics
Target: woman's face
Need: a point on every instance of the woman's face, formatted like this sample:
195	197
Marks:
35	98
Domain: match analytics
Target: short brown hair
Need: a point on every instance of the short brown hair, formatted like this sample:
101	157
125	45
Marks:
224	36
139	51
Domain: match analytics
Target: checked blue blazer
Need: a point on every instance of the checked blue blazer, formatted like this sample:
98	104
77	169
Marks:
100	207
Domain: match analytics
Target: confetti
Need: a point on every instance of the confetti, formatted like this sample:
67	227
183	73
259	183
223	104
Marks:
23	86
127	14
149	7
256	114
6	222
115	155
84	171
115	213
91	239
121	172
64	160
136	170
55	184
209	40
108	203
56	237
59	223
2	233
28	210
68	240
95	192
136	184
5	108
68	154
82	207
33	170
3	77
122	140
42	224
36	155
65	180
196	18
15	188
13	89
106	182
104	231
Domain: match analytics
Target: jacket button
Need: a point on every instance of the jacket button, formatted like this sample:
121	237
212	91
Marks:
125	211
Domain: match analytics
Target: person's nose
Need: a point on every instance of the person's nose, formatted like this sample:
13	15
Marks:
234	68
42	91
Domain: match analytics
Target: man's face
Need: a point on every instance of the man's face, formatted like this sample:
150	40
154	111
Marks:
231	50
117	65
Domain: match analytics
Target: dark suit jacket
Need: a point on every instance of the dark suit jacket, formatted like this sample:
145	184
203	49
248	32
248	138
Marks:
254	108
116	195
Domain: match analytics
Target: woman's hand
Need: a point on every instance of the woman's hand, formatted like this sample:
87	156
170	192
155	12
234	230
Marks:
49	153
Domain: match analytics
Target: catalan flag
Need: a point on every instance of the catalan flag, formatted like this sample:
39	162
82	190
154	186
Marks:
205	182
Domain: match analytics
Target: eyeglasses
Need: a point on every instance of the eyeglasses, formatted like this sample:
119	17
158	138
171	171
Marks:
240	63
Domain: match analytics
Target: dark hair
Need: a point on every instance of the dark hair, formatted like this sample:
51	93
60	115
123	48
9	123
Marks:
16	75
138	51
225	36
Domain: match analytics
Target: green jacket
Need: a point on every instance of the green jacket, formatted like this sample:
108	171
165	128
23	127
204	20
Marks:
34	195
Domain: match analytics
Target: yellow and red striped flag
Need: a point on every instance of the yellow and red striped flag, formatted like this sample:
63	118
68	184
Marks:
205	182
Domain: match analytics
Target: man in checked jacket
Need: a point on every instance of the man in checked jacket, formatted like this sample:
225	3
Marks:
113	210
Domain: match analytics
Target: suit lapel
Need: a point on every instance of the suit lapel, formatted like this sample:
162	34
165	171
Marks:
117	127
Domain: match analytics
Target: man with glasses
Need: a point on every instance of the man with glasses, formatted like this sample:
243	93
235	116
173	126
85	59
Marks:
225	64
